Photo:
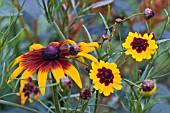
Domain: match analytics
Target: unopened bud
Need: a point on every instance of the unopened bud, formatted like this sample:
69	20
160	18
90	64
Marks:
74	49
88	68
65	83
148	87
148	13
118	20
85	93
139	71
104	37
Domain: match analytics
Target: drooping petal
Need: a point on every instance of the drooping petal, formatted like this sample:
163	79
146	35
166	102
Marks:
16	73
61	44
71	42
36	47
57	71
71	71
88	56
17	60
42	76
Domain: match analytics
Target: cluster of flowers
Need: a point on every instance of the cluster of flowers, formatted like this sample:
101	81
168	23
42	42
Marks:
55	59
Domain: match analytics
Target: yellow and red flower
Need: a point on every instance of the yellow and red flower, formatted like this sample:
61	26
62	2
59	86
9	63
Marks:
106	77
27	88
82	49
43	59
140	47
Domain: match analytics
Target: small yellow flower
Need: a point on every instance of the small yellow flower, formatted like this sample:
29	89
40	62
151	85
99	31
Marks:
52	58
27	88
82	49
140	47
148	88
106	77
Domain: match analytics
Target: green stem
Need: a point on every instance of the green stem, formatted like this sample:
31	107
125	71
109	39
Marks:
19	106
97	94
55	99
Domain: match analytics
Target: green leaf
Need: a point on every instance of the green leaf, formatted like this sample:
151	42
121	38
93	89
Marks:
138	106
98	4
105	23
161	41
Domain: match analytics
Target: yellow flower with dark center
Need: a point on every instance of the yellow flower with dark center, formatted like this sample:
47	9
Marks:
148	87
106	77
140	47
45	59
27	88
82	49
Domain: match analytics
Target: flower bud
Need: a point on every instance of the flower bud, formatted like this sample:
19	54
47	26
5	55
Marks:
104	37
148	87
65	83
74	49
118	20
148	13
85	93
88	69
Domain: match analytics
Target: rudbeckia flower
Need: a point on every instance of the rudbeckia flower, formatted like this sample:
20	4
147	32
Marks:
140	47
82	49
43	59
148	88
106	77
27	88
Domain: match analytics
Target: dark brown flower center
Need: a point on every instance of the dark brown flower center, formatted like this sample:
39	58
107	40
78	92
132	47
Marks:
139	44
51	53
106	76
30	88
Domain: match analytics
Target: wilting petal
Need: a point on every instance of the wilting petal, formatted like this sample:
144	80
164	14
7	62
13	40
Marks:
57	70
16	73
42	77
17	60
62	43
88	56
36	47
71	71
23	98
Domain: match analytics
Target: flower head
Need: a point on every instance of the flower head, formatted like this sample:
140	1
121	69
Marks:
65	83
148	87
45	59
140	47
106	77
82	49
27	88
85	93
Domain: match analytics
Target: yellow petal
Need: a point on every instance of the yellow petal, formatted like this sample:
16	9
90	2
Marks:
42	78
35	47
57	71
81	59
88	56
73	73
17	60
16	73
71	42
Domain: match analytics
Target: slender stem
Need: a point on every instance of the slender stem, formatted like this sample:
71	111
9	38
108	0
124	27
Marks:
19	106
55	99
97	94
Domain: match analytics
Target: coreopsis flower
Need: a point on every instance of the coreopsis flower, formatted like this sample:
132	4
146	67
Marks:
106	77
140	47
82	49
85	94
43	59
27	88
148	87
